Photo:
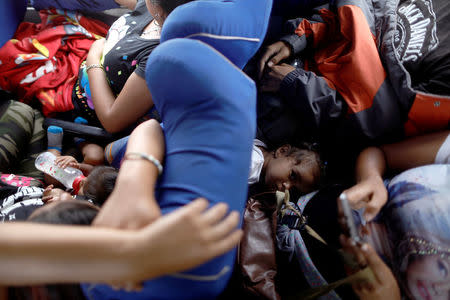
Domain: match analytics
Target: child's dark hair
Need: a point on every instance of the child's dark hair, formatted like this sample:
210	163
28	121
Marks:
300	150
100	184
71	212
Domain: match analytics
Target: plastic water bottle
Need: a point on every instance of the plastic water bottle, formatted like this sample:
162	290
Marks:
69	177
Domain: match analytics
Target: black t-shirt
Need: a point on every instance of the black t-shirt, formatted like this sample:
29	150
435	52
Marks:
125	52
422	42
17	203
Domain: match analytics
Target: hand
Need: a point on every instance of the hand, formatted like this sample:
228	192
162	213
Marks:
187	237
272	79
95	52
52	194
66	161
369	193
384	285
272	56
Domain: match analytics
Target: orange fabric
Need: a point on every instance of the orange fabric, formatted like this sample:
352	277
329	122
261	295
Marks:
428	114
346	55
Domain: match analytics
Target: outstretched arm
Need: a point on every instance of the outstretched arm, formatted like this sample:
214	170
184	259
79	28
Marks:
177	241
136	182
372	162
133	101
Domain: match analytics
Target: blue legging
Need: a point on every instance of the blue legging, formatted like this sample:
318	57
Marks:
208	107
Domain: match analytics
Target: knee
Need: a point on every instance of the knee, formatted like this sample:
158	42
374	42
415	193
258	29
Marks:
93	154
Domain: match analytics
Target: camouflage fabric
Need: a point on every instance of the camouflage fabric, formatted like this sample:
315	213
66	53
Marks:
22	138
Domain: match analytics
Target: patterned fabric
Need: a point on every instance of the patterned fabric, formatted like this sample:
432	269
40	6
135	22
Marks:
354	57
22	138
20	203
416	218
291	241
42	61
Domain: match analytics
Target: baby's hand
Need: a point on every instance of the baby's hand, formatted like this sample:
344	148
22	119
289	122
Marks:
51	194
67	161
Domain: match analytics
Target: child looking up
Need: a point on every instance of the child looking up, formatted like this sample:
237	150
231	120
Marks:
287	167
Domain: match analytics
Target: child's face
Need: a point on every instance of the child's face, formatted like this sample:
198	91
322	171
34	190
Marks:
284	172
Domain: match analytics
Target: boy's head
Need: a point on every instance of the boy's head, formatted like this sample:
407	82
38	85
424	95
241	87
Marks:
295	168
99	184
70	212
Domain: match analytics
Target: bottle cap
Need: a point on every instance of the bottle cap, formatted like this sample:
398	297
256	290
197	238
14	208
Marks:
76	184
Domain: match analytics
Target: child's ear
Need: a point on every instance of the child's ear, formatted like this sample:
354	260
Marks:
282	151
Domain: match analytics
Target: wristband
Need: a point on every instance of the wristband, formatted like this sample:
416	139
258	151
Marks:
148	157
94	66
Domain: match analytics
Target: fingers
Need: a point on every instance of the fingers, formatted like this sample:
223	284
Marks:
64	161
358	195
47	199
378	200
379	268
264	60
197	206
215	213
224	228
226	244
350	247
276	59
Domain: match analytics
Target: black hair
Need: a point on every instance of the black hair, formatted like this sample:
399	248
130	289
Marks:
100	184
169	5
71	212
302	150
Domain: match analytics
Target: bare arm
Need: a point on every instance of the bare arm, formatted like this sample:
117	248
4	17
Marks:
372	162
178	241
136	182
134	100
414	152
130	4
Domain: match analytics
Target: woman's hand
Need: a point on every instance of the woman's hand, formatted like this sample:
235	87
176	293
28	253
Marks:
66	161
384	285
95	52
272	56
187	237
272	79
369	193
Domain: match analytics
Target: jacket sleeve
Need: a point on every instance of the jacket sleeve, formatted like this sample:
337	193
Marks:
296	43
314	99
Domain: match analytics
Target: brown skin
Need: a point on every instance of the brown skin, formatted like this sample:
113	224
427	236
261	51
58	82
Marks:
272	56
281	171
132	198
178	241
51	194
385	285
372	162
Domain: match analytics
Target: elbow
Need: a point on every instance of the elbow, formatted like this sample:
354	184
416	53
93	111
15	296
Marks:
112	127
